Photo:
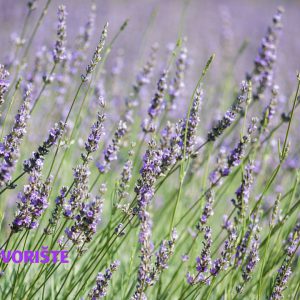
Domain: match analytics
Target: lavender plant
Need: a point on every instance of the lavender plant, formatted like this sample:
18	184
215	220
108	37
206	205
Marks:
182	184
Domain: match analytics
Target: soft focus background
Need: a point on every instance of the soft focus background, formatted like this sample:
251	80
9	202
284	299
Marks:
206	25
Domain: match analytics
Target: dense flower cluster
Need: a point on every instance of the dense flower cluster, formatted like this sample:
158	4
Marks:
86	221
33	201
9	148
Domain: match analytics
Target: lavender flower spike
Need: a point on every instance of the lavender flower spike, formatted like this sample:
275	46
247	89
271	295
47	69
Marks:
177	83
188	135
157	103
145	191
79	192
142	79
251	261
110	153
264	63
92	143
97	54
203	262
85	35
207	211
270	110
164	253
86	222
54	134
9	149
102	282
3	84
33	201
59	52
243	192
230	115
285	270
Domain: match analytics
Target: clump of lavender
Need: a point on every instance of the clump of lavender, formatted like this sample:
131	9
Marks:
243	192
33	200
97	55
177	83
59	52
9	148
230	115
54	134
110	153
189	126
157	104
3	83
102	282
264	63
285	270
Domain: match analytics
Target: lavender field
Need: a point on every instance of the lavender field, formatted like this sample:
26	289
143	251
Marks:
149	149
